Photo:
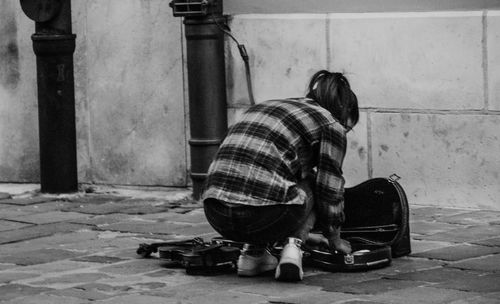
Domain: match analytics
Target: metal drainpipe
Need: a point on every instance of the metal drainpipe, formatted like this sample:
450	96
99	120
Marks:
54	45
206	82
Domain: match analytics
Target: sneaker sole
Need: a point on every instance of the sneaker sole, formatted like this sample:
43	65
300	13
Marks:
288	272
255	272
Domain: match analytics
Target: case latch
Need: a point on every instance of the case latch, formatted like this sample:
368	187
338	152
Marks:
348	259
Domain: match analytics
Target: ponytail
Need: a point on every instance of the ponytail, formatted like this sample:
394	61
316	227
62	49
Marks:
333	92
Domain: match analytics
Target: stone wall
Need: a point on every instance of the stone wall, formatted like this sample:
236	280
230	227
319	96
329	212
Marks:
428	84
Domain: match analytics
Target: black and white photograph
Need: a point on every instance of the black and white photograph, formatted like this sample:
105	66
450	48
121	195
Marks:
249	151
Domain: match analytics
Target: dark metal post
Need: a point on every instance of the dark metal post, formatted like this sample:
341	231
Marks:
54	45
206	82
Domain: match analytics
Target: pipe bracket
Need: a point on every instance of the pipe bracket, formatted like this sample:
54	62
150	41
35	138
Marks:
53	44
205	142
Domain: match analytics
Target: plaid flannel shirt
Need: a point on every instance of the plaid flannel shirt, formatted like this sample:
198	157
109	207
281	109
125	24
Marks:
274	145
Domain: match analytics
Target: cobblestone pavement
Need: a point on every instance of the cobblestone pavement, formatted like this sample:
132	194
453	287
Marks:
80	248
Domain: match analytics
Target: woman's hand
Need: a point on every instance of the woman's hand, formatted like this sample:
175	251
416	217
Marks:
339	244
335	242
330	217
317	240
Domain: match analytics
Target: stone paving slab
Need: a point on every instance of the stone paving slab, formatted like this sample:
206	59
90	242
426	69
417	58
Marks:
60	240
137	298
6	266
192	231
193	217
80	294
493	295
138	206
8	211
133	267
319	297
11	211
489	263
105	242
458	252
424	295
8	277
482	283
430	228
49	217
335	281
488	242
61	281
455	279
140	283
407	264
99	259
479	217
477	300
92	291
124	253
196	286
424	245
53	267
11	225
39	256
228	297
148	209
375	286
33	232
48	299
27	201
96	199
432	213
12	291
4	196
135	226
110	207
267	286
465	234
102	220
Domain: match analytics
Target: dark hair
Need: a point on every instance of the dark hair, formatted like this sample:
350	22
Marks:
333	92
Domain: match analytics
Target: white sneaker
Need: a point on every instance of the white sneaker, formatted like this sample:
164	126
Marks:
290	265
253	261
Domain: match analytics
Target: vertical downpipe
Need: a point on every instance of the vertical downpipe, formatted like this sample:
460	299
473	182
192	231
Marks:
207	92
54	45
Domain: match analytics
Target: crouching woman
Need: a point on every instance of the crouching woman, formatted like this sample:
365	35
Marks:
278	174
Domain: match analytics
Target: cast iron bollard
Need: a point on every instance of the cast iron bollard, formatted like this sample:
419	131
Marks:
206	82
54	45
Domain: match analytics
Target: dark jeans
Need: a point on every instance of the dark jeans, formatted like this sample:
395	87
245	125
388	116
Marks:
259	224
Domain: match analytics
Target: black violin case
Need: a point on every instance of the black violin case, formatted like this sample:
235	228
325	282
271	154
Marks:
377	212
376	224
197	256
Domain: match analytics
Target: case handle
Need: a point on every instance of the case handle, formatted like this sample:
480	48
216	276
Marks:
394	178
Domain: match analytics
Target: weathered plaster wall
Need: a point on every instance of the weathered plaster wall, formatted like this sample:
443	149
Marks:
128	87
18	108
493	63
428	84
350	6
